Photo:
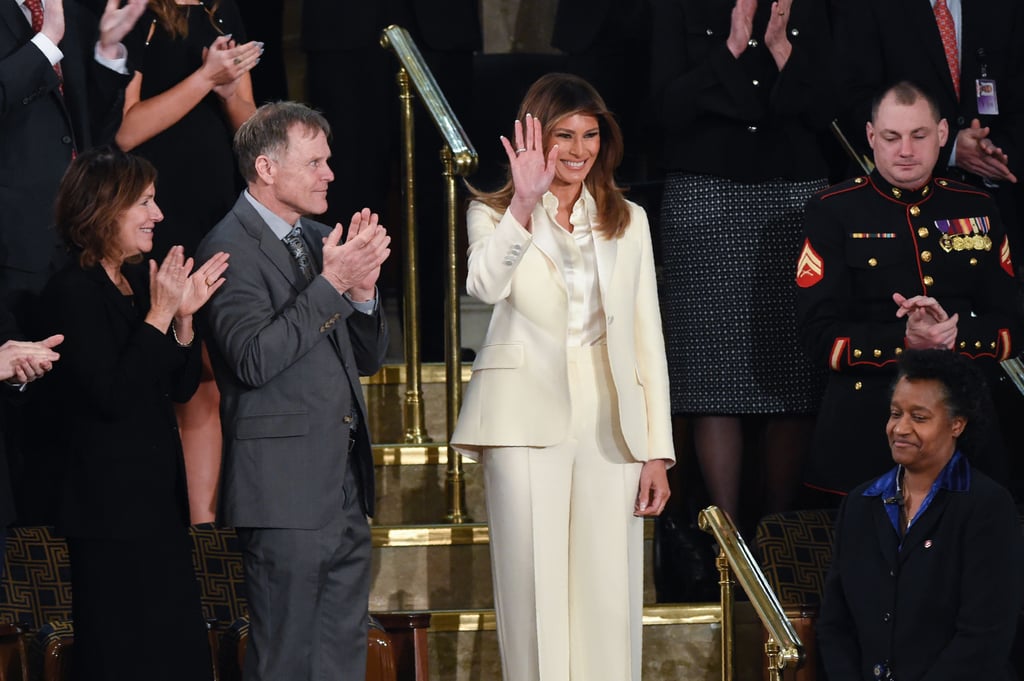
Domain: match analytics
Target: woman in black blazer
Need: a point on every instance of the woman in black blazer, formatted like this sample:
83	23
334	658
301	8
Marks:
129	351
926	570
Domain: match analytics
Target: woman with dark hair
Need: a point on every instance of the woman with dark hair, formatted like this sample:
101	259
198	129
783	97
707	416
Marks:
568	404
926	569
190	92
130	350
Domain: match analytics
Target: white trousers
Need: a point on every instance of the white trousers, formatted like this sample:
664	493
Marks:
566	549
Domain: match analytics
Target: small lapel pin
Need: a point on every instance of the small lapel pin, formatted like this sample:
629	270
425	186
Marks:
927	543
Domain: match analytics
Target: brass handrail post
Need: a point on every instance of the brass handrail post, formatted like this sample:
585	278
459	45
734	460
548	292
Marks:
776	662
455	483
725	583
415	415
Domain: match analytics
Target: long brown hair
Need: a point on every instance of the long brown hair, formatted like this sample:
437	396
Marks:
550	99
98	186
174	21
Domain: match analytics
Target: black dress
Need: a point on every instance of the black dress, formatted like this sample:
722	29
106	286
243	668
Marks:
198	181
123	500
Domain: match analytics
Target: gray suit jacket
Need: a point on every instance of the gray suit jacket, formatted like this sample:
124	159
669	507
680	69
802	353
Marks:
287	356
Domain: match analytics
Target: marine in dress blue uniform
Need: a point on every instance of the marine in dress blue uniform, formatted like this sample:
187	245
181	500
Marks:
864	240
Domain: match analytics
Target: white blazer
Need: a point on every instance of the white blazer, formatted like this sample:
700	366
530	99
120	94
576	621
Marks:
519	392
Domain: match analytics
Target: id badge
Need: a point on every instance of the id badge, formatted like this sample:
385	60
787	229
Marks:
988	103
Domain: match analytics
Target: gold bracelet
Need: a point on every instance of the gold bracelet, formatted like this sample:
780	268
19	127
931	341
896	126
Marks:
180	344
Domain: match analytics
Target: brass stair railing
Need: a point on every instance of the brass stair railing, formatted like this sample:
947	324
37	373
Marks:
784	648
459	158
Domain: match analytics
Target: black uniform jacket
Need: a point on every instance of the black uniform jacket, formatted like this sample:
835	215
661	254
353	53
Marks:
943	607
864	241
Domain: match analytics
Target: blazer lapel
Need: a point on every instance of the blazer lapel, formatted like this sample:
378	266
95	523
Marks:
11	15
606	251
923	528
275	251
885	533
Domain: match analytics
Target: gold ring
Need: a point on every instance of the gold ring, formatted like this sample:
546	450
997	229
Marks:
209	283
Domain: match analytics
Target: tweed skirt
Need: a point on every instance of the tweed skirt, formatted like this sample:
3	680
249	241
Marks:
728	296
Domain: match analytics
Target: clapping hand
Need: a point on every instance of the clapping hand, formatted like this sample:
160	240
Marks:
353	266
928	324
167	286
978	154
775	36
224	62
741	26
532	171
116	23
23	362
202	284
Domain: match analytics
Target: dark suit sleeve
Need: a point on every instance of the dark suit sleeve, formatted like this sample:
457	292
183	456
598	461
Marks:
837	636
25	75
257	339
105	87
112	372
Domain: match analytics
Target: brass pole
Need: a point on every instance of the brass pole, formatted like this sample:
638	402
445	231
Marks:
776	663
415	417
725	582
455	483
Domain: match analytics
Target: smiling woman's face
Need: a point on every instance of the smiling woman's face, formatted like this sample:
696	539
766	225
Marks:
135	225
922	434
579	142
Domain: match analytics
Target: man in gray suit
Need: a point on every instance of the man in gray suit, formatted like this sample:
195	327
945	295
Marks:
290	334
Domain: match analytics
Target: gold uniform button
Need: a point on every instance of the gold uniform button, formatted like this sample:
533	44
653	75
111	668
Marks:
922	232
963	345
926	256
977	345
928	281
899	351
877	353
857	354
974	262
896	192
858	385
992	345
859	180
915	211
924	192
943	183
347	418
873	262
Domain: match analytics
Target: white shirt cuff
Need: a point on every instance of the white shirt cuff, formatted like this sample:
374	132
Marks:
118	64
46	46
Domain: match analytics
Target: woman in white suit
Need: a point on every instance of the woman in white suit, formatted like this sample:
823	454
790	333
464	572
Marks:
568	406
